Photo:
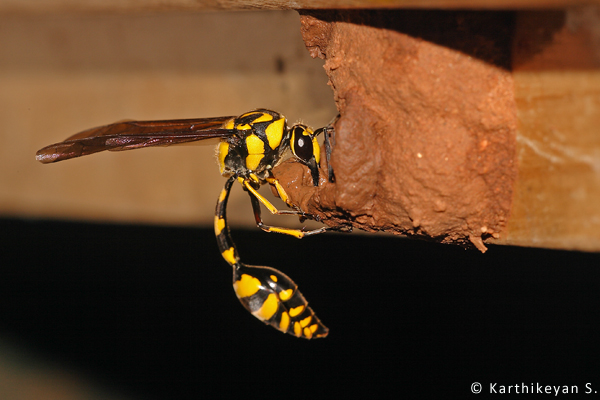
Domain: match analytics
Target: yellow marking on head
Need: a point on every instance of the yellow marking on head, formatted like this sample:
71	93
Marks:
304	323
307	333
294	312
268	309
255	145
229	124
275	132
253	160
246	286
285	321
292	232
297	329
273	278
293	145
316	149
313	328
222	151
285	295
229	255
219	225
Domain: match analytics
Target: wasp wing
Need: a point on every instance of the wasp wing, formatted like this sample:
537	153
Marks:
128	135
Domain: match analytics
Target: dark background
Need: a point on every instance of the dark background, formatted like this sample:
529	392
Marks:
151	311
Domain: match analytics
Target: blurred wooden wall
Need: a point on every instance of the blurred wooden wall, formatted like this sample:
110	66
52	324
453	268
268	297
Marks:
63	72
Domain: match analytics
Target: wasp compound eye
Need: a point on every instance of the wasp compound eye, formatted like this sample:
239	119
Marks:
302	145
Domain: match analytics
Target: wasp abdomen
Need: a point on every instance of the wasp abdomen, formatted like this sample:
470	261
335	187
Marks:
274	298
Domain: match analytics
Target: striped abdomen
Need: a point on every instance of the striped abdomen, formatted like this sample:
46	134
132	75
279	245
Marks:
267	293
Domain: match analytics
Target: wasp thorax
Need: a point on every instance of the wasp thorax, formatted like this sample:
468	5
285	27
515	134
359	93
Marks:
258	144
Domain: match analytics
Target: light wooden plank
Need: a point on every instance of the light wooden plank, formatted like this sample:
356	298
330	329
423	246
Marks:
557	90
557	194
61	74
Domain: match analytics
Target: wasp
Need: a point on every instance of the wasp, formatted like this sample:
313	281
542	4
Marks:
250	146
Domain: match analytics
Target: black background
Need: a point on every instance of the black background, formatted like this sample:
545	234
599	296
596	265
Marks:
151	311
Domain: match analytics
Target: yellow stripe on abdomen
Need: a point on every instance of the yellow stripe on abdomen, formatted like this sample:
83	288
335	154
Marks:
268	309
246	286
284	323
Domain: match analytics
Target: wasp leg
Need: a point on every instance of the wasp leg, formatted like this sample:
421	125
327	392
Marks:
298	233
284	196
280	190
247	184
267	293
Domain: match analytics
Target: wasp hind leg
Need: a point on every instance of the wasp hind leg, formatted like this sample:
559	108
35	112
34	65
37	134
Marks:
274	298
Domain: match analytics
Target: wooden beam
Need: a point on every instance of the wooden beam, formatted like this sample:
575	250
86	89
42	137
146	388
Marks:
545	66
557	92
61	6
61	74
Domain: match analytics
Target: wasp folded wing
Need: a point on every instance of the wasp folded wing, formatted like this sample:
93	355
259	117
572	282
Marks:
128	135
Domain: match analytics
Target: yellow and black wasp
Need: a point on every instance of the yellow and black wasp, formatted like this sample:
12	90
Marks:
250	146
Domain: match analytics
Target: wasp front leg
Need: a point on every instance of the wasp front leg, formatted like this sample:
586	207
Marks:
249	186
298	233
284	196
